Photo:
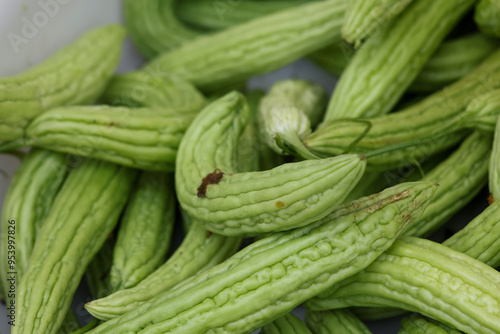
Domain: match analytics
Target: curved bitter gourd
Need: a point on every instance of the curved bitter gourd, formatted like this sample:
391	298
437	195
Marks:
77	74
275	274
240	204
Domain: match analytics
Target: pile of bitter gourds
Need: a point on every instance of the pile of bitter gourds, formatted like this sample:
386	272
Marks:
284	198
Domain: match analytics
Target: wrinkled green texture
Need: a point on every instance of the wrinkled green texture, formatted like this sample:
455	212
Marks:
287	324
144	138
75	75
487	17
391	59
426	277
84	212
273	275
244	204
255	47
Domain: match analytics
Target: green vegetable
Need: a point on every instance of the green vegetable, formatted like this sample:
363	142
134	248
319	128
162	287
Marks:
426	277
97	273
287	113
364	17
143	138
145	230
494	165
453	60
484	109
460	177
390	60
417	324
27	203
255	47
209	15
153	89
76	74
479	238
84	212
487	17
242	204
153	26
287	324
335	321
273	275
199	251
425	128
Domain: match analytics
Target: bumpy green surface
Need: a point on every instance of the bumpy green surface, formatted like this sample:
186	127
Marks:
420	130
454	59
391	59
241	204
76	74
460	177
417	324
154	27
423	276
273	275
153	89
199	251
145	230
84	212
364	17
494	166
144	138
27	202
287	324
255	47
487	17
335	321
209	15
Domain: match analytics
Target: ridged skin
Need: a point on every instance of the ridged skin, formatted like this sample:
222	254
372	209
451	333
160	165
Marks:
460	177
244	204
76	74
288	112
453	60
97	273
198	252
28	201
417	324
426	277
494	165
335	321
424	128
143	138
388	62
153	89
207	15
287	324
145	230
84	212
364	17
154	28
484	110
273	275
487	17
480	237
255	47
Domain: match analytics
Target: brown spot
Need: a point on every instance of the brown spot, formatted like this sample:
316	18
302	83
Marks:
279	204
212	178
209	233
490	199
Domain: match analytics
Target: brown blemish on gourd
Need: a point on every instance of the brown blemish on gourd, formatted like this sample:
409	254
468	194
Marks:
490	199
212	178
279	204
